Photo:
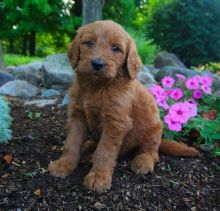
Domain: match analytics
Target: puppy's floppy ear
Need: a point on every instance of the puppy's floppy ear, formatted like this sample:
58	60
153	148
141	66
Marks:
73	52
133	60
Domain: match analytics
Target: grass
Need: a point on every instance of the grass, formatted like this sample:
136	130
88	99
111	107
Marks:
14	59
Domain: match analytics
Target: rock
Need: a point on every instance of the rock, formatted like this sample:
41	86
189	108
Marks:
146	78
19	88
164	58
32	73
65	100
153	70
58	71
216	83
50	93
5	77
40	103
172	71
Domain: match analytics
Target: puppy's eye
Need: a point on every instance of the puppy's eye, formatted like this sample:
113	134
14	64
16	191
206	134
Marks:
115	48
89	43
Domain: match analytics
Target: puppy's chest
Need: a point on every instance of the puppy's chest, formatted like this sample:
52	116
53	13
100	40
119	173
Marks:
94	111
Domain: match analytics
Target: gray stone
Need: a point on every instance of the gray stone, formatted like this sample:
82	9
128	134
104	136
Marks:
216	83
50	93
164	58
65	100
19	88
153	70
172	71
58	71
40	103
146	78
32	73
5	77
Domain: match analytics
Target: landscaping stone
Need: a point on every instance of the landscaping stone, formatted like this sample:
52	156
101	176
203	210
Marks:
146	78
58	71
172	71
164	58
65	100
32	73
153	70
5	77
50	93
19	88
40	103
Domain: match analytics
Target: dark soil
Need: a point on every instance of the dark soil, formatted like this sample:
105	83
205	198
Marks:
176	184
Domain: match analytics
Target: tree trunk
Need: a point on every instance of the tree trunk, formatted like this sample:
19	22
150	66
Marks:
24	44
78	8
92	10
2	66
32	42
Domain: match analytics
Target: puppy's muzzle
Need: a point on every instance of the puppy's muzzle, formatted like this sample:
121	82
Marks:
97	65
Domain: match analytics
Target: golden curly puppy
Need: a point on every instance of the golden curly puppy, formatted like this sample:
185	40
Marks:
108	101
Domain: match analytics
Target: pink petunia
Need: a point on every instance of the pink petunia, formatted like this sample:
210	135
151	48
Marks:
180	77
206	89
162	103
172	125
191	108
192	83
197	94
206	81
176	94
158	91
179	112
168	82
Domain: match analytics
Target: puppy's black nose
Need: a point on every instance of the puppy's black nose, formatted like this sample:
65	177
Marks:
97	64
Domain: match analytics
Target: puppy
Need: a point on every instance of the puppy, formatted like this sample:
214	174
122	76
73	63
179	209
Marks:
107	100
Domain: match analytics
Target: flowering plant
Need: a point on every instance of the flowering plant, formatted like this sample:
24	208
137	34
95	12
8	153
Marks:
183	102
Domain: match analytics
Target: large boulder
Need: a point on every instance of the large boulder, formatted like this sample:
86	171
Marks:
5	77
164	58
145	77
58	71
32	73
172	71
19	88
48	93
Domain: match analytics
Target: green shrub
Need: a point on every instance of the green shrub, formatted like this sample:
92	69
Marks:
188	28
146	49
13	59
5	122
214	67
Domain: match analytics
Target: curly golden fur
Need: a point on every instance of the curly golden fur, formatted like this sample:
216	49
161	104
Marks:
108	101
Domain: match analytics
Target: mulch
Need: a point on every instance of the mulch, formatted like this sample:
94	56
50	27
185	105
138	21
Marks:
176	184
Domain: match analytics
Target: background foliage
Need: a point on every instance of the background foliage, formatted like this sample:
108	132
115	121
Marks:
188	28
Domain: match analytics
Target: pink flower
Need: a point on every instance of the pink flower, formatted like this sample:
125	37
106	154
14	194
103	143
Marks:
192	83
197	94
176	94
191	101
206	89
206	81
168	82
162	103
172	125
180	77
191	108
179	112
158	91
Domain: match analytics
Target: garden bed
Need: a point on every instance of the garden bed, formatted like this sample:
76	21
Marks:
38	135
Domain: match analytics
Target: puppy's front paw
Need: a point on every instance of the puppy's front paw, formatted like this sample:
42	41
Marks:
98	180
61	167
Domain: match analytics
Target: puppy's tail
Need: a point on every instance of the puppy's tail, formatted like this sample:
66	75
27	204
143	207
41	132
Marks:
177	149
